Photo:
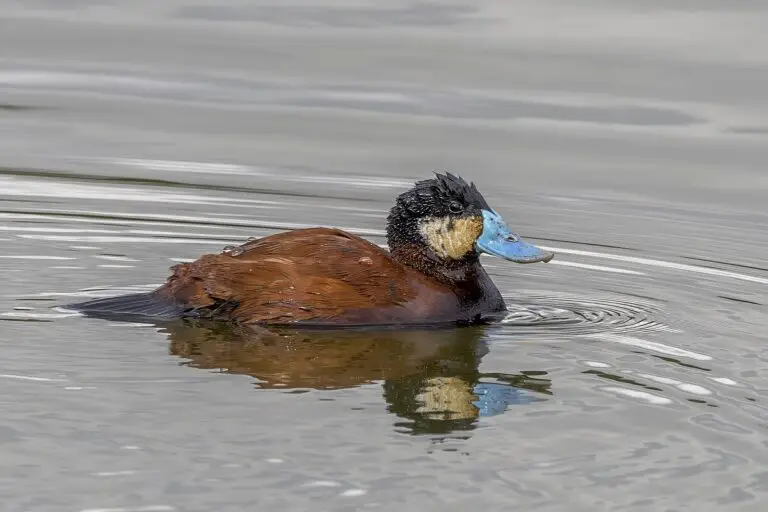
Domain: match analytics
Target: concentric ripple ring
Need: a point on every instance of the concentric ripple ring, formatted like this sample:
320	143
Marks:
573	315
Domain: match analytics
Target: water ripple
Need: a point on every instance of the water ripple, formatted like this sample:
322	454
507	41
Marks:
568	315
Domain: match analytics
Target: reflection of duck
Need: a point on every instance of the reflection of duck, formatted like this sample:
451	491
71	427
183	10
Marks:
430	377
432	274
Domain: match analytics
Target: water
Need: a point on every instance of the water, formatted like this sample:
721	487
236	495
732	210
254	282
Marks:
628	136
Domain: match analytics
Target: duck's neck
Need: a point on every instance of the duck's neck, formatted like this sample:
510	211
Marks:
423	259
466	277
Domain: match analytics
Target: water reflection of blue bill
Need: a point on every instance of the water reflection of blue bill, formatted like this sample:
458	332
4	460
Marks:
494	398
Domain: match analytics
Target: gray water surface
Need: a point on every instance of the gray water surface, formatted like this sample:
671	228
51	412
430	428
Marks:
629	137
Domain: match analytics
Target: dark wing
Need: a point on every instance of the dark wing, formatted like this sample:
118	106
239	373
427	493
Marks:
302	275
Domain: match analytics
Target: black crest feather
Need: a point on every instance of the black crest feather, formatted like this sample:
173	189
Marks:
460	189
447	187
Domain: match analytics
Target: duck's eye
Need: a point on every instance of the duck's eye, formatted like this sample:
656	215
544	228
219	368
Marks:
455	207
512	238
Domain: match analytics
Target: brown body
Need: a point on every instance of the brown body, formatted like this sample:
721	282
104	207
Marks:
324	276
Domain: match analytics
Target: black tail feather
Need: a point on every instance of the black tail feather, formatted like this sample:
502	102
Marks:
148	305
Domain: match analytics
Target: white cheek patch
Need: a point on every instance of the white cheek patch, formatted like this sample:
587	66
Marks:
451	238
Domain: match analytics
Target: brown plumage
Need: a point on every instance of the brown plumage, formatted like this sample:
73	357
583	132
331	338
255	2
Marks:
315	275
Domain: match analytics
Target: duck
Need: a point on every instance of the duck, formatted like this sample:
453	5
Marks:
430	274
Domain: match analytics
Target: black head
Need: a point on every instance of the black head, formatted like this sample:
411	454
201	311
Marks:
444	213
451	220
